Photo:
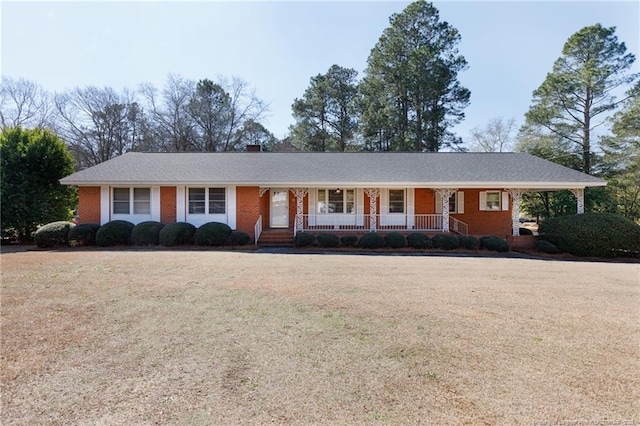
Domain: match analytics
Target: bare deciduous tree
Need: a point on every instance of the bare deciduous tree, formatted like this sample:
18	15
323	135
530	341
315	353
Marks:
496	136
23	103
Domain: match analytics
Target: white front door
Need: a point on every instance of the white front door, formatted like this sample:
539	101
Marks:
279	212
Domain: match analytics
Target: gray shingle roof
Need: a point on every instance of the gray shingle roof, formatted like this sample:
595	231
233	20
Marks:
335	169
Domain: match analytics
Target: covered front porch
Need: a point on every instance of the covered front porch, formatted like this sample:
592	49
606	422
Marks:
344	209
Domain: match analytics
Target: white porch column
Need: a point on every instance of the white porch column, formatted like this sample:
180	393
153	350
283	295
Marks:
445	193
516	196
579	194
373	194
300	194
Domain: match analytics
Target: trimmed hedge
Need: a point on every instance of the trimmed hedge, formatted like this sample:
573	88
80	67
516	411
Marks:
419	241
83	234
304	239
213	234
546	247
372	240
328	240
494	244
239	238
445	242
349	240
592	234
114	233
53	234
469	242
178	233
146	233
395	240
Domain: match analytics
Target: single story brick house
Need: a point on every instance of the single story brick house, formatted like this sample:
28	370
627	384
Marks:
464	193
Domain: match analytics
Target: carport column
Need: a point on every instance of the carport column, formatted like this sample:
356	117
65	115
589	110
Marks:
373	194
579	194
300	194
445	193
516	196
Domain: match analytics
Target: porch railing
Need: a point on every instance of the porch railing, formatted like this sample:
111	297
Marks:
257	229
389	222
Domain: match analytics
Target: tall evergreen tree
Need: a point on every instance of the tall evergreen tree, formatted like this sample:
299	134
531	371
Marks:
576	95
411	95
326	115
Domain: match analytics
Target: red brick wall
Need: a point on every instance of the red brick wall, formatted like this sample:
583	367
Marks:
89	204
248	208
483	223
167	204
424	201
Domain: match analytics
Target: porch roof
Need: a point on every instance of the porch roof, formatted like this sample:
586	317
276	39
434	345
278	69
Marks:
432	170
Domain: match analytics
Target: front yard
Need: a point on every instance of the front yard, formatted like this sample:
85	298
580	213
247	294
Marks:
198	337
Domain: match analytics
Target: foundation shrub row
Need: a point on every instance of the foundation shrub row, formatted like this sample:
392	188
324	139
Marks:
120	232
396	240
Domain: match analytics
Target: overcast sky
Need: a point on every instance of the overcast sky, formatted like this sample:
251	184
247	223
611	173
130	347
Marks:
277	46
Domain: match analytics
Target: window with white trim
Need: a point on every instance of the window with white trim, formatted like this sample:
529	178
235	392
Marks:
456	203
336	201
126	200
207	201
490	200
396	201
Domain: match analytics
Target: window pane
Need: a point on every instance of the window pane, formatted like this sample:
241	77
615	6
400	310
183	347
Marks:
493	201
396	201
351	205
452	203
322	201
141	200
336	201
216	200
196	200
121	200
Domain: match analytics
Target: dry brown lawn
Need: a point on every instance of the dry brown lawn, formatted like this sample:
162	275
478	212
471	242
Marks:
198	337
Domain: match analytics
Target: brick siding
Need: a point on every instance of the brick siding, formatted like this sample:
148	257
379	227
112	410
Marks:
89	204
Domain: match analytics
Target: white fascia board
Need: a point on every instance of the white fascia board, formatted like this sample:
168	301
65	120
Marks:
433	185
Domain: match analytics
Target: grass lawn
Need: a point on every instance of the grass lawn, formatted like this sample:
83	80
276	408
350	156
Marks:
197	337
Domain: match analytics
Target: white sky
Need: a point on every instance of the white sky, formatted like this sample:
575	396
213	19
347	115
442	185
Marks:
278	46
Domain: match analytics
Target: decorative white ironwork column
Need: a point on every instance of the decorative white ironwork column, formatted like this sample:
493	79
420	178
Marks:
579	194
445	193
300	194
373	194
516	196
263	190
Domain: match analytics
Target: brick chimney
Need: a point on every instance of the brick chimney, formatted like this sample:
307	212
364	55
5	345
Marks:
254	148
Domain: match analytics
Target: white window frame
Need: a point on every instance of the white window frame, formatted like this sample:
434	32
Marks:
198	219
207	200
344	201
458	196
503	201
404	202
133	214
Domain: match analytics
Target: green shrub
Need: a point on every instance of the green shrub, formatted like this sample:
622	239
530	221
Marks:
146	233
419	241
53	234
304	239
114	233
494	244
592	234
546	247
395	240
445	242
469	242
525	231
349	240
83	234
213	234
239	238
372	240
328	240
178	233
